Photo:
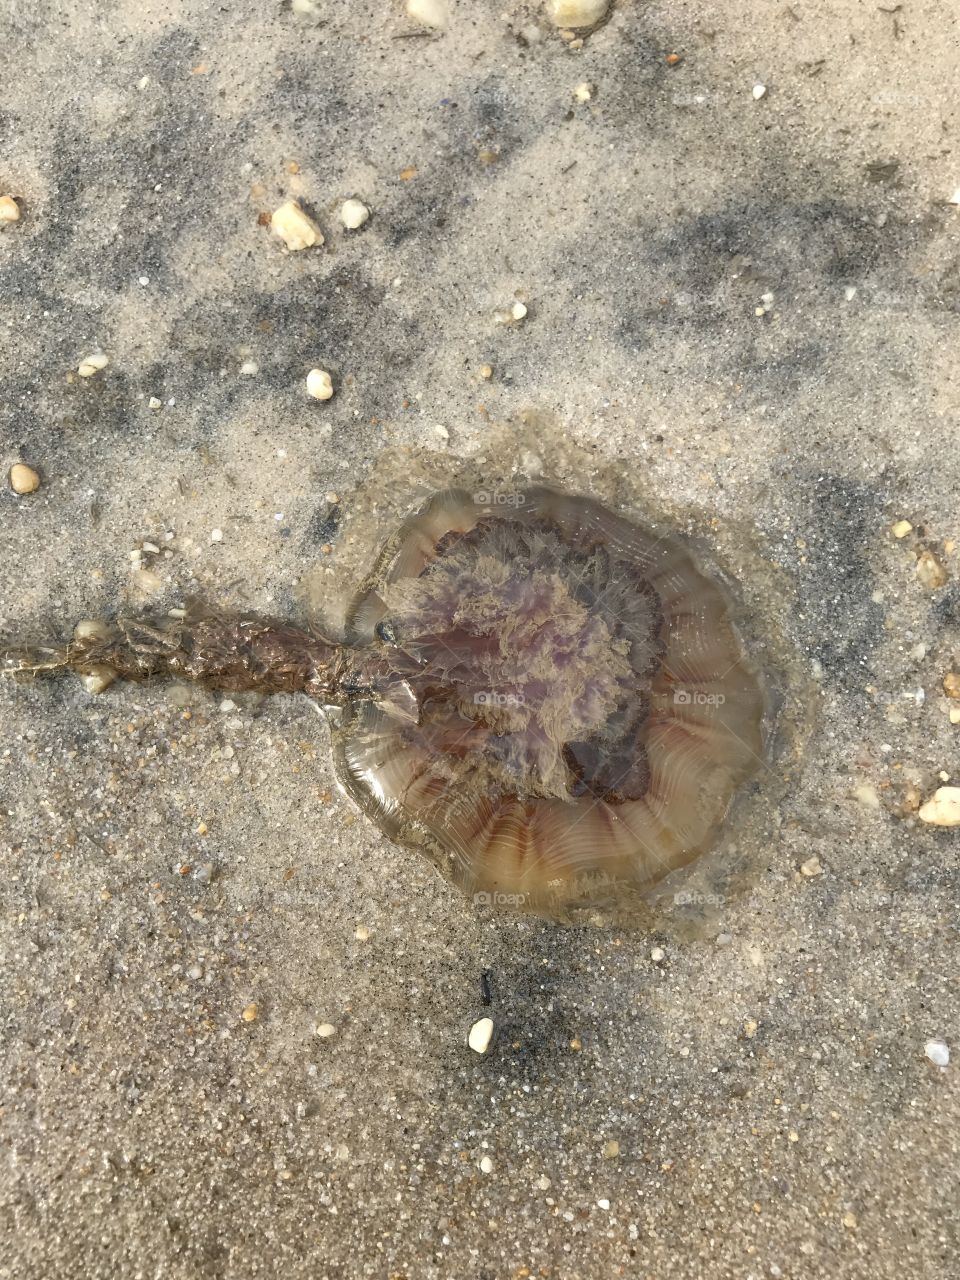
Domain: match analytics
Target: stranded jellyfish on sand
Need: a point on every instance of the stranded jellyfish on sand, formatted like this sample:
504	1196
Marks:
550	701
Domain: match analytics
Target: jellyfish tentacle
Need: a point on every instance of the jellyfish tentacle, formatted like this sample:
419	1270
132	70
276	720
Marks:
231	653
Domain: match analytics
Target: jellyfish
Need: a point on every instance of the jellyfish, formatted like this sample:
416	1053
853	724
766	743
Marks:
548	700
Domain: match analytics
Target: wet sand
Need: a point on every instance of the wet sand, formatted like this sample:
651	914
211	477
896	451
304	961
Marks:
742	318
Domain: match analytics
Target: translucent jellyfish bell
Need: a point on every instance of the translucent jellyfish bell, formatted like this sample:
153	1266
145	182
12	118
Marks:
559	703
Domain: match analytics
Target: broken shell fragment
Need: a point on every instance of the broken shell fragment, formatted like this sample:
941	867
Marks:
319	384
481	1035
353	214
513	314
93	629
577	13
23	479
97	679
938	1052
930	571
93	364
429	13
295	228
943	808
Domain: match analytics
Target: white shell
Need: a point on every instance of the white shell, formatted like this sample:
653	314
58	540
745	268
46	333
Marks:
481	1035
943	808
577	13
319	384
295	228
353	214
429	13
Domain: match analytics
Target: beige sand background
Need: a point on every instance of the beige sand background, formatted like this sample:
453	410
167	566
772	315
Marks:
756	1101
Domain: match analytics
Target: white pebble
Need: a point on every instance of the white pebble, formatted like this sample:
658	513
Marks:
429	13
811	868
92	629
154	403
93	364
850	292
216	535
603	1204
512	314
938	1052
295	228
442	431
249	368
943	808
486	1165
9	209
23	479
759	90
657	954
481	1035
325	1030
319	384
97	679
955	198
577	13
583	92
353	214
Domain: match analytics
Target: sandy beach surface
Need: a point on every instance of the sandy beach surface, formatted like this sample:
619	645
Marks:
234	1015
